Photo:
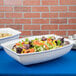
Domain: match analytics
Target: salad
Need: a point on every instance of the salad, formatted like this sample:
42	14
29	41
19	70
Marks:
38	44
2	35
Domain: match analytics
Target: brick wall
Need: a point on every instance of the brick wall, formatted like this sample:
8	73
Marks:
36	17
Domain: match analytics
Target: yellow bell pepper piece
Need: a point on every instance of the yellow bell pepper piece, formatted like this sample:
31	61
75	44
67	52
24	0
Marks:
23	51
54	43
26	42
60	46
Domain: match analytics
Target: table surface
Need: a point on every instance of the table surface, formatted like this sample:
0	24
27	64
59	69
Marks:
63	65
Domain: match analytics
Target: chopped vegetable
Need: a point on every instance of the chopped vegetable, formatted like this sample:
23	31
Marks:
58	42
18	50
44	39
38	44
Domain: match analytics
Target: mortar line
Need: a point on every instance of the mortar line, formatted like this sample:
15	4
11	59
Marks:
58	2
4	13
22	27
40	2
39	12
42	18
53	30
41	24
66	33
49	17
36	24
36	5
31	21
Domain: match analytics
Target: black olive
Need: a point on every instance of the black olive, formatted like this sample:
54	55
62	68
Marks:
30	42
18	50
28	51
56	42
14	46
62	39
31	46
37	50
44	39
52	39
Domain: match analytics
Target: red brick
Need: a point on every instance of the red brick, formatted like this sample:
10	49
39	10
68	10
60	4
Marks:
23	21
31	27
58	21
13	15
1	15
26	33
32	15
17	27
58	32
49	15
68	2
6	21
13	2
72	8
49	27
22	9
6	9
31	2
40	21
40	9
67	26
58	8
49	2
1	2
1	26
40	32
67	14
71	32
72	20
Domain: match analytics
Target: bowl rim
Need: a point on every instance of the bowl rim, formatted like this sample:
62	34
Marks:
18	32
26	54
4	46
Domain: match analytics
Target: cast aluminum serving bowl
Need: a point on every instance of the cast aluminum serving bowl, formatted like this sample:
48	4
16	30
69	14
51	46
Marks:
37	57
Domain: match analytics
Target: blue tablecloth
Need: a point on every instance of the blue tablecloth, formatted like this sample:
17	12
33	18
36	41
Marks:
63	65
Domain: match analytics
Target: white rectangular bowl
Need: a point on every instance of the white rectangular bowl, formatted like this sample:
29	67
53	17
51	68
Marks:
36	57
72	38
15	35
74	45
